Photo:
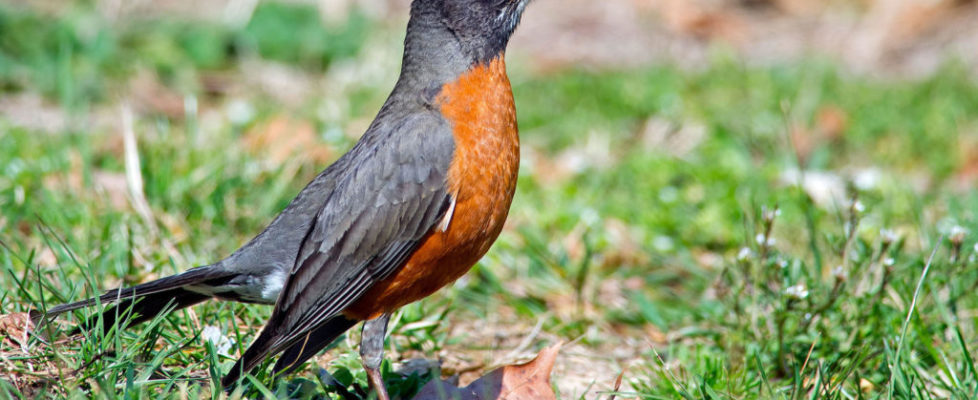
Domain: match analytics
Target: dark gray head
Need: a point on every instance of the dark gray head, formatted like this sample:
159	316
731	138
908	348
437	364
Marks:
482	28
446	38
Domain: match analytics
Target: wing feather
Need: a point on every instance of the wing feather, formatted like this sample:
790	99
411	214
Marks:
379	212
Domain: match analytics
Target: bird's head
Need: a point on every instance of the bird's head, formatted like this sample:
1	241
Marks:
484	17
482	27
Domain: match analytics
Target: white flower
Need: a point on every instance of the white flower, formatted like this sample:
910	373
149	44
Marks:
744	254
889	261
240	112
867	179
668	194
221	343
958	233
840	273
858	207
797	292
760	239
889	235
590	217
663	243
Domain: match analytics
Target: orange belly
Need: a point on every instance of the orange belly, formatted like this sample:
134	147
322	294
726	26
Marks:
482	180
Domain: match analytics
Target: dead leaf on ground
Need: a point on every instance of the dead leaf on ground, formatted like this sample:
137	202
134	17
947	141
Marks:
530	381
913	19
668	137
283	138
112	186
151	96
967	173
70	180
832	121
30	110
15	328
800	7
804	142
704	20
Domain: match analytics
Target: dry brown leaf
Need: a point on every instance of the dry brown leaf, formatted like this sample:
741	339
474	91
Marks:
113	186
46	258
913	19
15	327
967	173
656	335
804	142
70	180
30	110
151	96
832	122
617	386
866	386
704	20
626	248
801	7
283	138
530	381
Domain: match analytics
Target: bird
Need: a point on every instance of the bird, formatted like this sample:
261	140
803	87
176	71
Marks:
410	208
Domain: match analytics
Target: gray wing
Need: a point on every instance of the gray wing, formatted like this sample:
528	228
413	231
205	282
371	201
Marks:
380	210
373	221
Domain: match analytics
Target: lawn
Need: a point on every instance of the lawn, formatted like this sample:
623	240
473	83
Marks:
790	231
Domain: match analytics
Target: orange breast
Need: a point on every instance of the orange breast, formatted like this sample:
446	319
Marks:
482	179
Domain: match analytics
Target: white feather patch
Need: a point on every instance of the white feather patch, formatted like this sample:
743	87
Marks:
447	219
272	285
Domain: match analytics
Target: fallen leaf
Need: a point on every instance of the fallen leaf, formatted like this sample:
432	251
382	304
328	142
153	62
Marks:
800	7
675	139
284	138
617	385
967	173
832	122
29	110
530	381
113	186
15	328
704	20
804	142
913	19
625	249
866	386
152	96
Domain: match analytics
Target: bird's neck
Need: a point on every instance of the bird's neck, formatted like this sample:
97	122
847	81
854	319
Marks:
434	55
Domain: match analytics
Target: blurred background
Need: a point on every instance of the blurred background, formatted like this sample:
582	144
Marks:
139	138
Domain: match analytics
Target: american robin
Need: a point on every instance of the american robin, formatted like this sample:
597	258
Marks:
410	208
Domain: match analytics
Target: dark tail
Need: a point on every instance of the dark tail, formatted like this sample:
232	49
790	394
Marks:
142	302
136	310
294	355
312	344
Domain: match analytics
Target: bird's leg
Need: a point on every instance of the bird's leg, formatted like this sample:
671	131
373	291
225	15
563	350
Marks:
372	352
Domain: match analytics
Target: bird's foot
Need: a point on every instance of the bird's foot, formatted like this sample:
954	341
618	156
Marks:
377	383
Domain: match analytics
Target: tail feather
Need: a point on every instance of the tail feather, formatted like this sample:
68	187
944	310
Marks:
297	352
136	310
147	299
257	352
312	344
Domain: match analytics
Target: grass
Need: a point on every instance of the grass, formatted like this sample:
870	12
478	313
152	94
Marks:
644	227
